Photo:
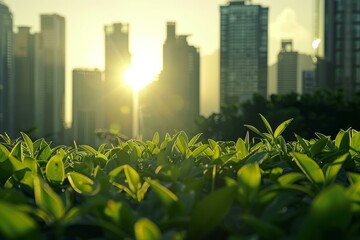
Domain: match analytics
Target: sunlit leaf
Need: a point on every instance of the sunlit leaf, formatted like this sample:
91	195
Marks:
318	147
194	139
146	229
82	184
281	128
55	170
334	168
310	168
267	125
290	178
4	153
210	211
47	199
241	148
249	178
199	150
156	138
132	178
167	197
255	130
264	229
28	143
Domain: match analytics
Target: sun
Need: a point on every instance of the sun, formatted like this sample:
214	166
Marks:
141	73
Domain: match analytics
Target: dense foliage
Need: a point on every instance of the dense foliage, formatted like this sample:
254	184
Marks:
324	112
181	188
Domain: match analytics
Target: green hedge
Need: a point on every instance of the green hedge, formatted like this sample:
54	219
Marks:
181	188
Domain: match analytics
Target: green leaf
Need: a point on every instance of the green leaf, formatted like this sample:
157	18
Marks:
334	168
210	211
353	177
258	157
17	152
216	153
318	146
155	139
241	148
280	129
132	178
267	125
167	197
47	199
355	144
82	184
194	139
89	149
15	224
310	168
121	214
342	140
4	153
181	144
55	170
199	150
255	130
264	229
146	229
28	143
290	178
249	178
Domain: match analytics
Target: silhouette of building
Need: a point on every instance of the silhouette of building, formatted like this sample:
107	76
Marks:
50	77
173	102
7	88
308	80
287	69
243	51
87	105
24	57
118	96
342	45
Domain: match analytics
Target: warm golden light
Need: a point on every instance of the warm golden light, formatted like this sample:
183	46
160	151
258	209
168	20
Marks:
140	74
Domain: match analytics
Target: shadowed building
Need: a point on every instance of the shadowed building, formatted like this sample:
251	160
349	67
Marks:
287	69
342	45
118	96
24	56
7	89
173	102
87	105
50	78
243	51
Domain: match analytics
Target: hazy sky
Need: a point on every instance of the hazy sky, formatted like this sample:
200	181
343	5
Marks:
85	20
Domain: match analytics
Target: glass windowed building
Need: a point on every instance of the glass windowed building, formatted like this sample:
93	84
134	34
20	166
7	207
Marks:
243	51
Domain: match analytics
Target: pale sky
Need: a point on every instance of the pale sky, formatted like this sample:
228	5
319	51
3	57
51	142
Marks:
85	20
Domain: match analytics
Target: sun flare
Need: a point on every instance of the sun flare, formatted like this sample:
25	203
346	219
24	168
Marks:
140	74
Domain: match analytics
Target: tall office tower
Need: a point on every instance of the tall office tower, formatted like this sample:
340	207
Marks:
87	109
342	45
24	49
50	82
287	69
118	96
243	51
6	70
175	97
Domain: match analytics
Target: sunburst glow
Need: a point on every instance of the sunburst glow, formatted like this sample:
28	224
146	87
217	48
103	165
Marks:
140	74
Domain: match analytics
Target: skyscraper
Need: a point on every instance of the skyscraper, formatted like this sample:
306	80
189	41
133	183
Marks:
87	109
243	51
6	70
173	102
51	77
287	69
118	96
24	50
342	45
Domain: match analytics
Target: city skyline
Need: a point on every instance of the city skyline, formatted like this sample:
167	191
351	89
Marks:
85	41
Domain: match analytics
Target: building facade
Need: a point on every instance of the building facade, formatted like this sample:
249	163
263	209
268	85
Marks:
24	58
118	96
7	88
243	51
88	113
50	77
173	102
342	45
287	69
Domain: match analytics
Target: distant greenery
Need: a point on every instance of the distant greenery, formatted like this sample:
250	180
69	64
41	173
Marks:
324	112
182	188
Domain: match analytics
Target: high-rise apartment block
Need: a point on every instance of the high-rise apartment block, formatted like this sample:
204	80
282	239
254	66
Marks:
287	69
7	88
24	99
87	105
243	51
50	77
118	96
342	45
173	102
